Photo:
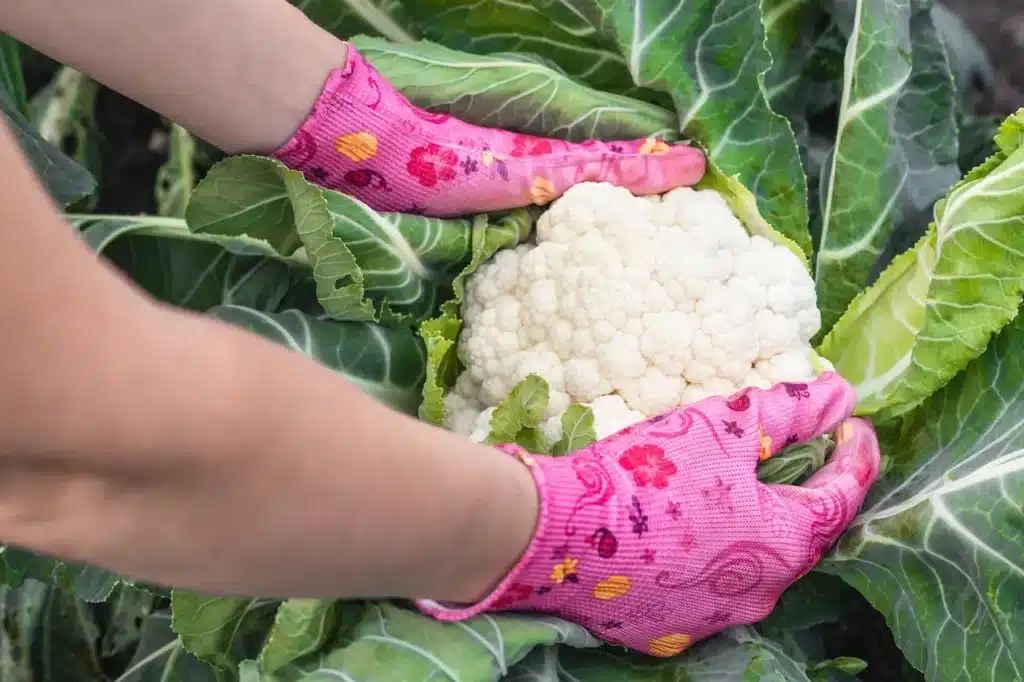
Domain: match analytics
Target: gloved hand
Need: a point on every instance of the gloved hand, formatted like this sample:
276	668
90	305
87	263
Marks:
661	535
365	139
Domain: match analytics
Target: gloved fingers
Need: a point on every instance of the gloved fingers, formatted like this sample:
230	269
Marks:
787	413
644	166
827	503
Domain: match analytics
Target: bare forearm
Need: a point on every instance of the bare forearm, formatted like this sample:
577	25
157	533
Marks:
241	74
179	450
232	465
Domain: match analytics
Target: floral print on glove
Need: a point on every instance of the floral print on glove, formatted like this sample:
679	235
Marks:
365	139
661	535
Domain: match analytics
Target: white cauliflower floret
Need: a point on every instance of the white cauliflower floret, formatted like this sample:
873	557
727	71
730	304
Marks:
633	306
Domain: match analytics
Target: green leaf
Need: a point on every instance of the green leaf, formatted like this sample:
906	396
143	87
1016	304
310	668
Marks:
161	657
176	178
513	92
407	261
795	463
90	584
937	547
403	263
709	55
977	137
346	18
559	31
259	198
12	80
386	363
737	654
67	640
65	180
816	599
300	627
197	271
440	333
20	610
392	644
126	613
895	148
791	37
577	430
522	410
221	631
936	306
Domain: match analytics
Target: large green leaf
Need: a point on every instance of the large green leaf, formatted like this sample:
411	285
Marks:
20	610
386	363
259	198
221	631
938	546
405	264
564	32
392	644
197	271
737	654
895	149
346	18
709	55
512	92
301	627
161	657
67	640
936	306
65	180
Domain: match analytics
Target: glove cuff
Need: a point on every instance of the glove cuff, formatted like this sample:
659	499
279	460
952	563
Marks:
532	585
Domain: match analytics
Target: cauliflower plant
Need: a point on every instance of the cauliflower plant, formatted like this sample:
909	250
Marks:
633	306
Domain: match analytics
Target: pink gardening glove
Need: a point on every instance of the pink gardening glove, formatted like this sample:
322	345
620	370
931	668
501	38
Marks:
365	139
661	535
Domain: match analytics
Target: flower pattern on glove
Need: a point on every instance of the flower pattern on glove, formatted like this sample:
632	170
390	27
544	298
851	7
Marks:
661	535
366	139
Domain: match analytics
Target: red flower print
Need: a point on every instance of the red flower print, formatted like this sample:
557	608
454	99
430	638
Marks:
515	593
432	163
739	403
528	145
648	464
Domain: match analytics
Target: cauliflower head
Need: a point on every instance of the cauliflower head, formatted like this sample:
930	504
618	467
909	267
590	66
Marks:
633	306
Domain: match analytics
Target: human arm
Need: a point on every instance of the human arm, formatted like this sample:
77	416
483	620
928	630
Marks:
259	77
241	74
176	449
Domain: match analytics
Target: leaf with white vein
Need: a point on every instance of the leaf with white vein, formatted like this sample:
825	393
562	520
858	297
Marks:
195	271
709	55
895	150
937	305
386	363
403	264
938	547
563	31
736	654
417	647
512	92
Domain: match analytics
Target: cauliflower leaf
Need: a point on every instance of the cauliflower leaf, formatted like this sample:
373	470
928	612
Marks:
936	306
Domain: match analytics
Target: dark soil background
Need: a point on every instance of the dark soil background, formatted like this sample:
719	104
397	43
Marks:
999	26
